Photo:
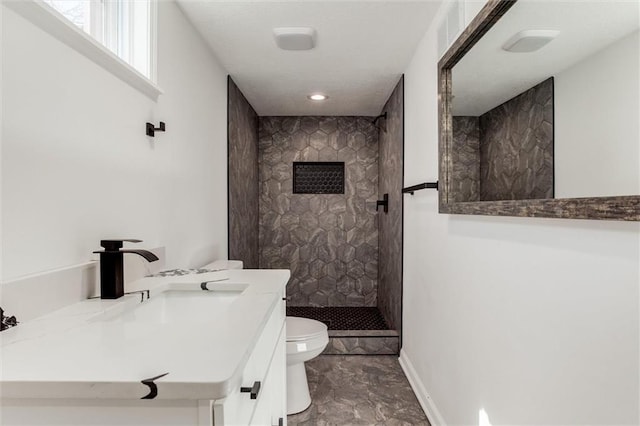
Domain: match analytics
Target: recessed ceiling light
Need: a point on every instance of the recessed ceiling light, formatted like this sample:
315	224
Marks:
317	97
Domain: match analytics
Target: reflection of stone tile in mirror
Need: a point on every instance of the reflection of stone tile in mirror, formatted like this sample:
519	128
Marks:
465	179
595	61
506	153
516	147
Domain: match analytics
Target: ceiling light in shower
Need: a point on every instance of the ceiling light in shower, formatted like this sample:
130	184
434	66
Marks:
529	40
318	97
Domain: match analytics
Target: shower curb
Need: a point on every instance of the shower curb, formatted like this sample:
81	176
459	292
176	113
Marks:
363	344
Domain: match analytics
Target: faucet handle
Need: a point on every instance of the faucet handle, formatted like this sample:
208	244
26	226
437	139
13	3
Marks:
115	245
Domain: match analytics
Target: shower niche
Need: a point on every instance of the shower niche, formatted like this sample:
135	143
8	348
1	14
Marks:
319	178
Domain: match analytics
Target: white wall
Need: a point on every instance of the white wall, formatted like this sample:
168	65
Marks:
534	321
1	121
597	123
77	166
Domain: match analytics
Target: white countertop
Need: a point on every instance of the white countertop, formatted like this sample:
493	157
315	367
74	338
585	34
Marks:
71	353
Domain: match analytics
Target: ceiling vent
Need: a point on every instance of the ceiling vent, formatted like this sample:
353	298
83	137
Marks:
295	38
529	40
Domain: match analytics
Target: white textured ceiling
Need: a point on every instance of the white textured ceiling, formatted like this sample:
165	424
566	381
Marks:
487	76
362	49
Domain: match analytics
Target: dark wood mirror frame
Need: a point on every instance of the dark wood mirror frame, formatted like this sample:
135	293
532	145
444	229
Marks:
603	208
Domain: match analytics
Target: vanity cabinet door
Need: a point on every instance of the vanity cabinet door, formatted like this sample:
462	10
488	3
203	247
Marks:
238	408
278	381
272	403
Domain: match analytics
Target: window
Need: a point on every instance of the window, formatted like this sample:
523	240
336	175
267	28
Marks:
123	26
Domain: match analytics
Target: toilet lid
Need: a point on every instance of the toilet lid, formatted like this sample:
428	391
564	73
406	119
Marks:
304	329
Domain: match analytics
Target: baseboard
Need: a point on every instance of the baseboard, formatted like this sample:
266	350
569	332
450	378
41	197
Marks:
429	407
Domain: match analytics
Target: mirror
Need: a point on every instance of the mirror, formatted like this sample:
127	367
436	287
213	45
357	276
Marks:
540	111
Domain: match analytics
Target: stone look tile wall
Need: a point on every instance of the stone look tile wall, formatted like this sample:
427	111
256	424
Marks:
465	179
329	241
516	147
243	178
506	153
391	182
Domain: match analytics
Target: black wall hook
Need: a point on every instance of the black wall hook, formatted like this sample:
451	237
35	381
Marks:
151	129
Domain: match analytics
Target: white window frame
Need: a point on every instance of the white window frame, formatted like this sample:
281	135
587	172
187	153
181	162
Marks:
53	22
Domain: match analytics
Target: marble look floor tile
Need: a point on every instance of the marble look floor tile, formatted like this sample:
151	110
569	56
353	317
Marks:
359	390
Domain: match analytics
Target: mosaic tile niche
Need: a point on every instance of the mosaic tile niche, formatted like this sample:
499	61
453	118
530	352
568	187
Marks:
328	241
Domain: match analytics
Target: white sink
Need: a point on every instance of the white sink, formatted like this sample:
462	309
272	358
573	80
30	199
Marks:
179	304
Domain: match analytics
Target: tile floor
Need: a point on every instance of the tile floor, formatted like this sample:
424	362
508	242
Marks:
359	390
342	317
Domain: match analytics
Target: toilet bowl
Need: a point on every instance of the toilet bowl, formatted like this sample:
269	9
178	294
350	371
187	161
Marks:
306	339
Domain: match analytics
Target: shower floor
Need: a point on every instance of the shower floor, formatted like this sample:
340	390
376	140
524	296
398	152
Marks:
342	318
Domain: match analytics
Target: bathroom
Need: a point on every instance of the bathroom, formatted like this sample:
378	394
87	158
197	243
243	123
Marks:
492	318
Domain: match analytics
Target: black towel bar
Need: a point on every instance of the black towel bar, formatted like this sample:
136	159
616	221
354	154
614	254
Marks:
414	188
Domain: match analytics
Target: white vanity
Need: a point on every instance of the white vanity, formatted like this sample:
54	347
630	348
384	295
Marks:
190	354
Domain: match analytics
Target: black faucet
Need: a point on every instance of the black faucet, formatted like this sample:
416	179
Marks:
111	266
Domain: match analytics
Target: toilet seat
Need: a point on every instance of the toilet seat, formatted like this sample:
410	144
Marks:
299	329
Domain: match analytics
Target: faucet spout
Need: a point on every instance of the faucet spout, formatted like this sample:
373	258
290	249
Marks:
112	266
144	253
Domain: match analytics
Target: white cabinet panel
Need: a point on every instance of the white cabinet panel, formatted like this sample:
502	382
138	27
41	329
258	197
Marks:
266	366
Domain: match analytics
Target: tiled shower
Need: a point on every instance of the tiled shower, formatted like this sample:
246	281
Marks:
303	194
329	241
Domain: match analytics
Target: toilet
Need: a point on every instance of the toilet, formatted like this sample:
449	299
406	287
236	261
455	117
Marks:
306	339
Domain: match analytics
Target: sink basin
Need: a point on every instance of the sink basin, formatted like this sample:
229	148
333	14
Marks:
179	305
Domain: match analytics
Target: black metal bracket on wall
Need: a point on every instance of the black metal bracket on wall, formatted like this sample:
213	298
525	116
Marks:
151	129
384	203
414	188
7	321
382	126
